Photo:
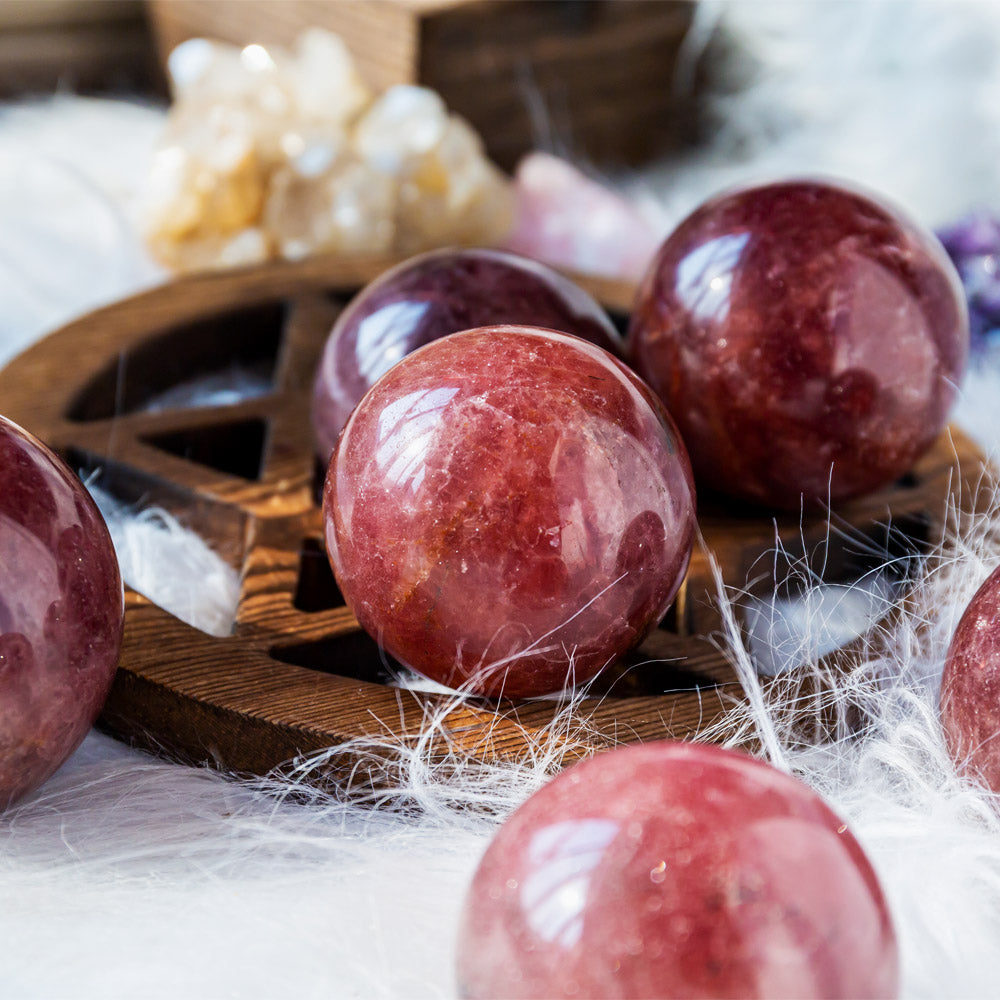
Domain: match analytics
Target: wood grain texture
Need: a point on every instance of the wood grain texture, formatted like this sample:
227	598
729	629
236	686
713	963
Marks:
83	46
296	675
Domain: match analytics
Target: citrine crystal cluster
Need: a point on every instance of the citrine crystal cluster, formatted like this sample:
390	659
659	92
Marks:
270	153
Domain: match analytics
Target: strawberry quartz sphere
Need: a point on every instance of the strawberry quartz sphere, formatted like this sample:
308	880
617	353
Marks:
61	612
508	510
806	338
431	296
970	687
675	870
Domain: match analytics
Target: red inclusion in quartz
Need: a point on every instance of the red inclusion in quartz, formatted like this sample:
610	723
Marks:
61	612
431	296
675	870
509	510
796	328
970	686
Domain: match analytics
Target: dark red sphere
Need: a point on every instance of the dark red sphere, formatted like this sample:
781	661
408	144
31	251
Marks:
434	295
970	686
61	612
675	870
806	338
509	510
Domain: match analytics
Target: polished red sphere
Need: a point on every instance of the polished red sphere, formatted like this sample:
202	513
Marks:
970	686
61	612
807	340
431	296
675	870
509	510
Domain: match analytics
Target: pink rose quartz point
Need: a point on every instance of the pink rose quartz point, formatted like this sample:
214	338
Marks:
807	340
61	612
431	296
675	870
571	221
509	510
970	687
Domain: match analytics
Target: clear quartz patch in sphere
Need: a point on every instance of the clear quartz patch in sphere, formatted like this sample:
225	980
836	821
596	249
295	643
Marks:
970	687
509	510
807	339
61	612
431	296
675	870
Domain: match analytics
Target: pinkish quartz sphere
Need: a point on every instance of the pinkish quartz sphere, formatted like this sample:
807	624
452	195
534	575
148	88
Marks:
509	510
970	686
806	338
673	870
434	295
61	612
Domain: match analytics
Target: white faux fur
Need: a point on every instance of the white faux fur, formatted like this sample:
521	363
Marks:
200	587
71	171
896	96
130	877
933	837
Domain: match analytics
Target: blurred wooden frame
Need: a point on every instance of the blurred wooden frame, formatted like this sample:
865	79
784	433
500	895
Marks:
590	78
85	46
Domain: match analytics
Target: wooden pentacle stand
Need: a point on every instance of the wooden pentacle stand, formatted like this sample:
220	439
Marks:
297	675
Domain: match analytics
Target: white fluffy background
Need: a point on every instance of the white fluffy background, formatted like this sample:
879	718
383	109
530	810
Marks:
129	877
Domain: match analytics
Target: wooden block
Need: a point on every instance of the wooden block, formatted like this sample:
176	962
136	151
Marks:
591	78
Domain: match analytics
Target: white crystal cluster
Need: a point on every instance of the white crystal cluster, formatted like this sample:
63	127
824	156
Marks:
269	153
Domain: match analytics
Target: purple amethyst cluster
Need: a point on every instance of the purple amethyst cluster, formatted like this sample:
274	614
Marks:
974	247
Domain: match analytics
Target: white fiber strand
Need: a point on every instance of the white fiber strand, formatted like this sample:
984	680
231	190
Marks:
933	837
171	565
